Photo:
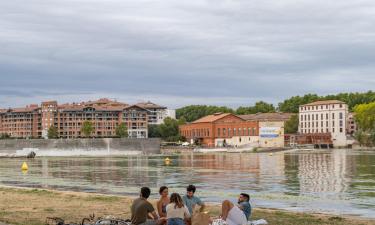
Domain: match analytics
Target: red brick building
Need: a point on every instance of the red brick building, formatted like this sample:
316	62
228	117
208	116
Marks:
224	127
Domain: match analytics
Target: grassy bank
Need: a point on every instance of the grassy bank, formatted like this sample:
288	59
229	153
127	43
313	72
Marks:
31	206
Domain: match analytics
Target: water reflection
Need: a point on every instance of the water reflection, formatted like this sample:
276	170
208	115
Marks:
339	181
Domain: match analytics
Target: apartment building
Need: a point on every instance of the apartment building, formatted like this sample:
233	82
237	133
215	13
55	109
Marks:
325	117
34	121
157	113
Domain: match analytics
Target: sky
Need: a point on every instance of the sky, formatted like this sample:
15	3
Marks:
176	53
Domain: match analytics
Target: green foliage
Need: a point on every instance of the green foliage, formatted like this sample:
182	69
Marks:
352	99
194	112
87	128
291	126
168	131
365	119
365	116
259	107
5	136
122	130
52	133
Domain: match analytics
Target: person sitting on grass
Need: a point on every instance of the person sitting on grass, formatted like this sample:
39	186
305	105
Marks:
163	201
177	212
190	200
142	211
244	204
232	214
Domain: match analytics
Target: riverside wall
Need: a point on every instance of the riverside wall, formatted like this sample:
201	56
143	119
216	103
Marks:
86	146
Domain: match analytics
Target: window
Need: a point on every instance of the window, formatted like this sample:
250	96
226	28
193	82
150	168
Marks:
341	123
234	132
317	116
333	130
224	131
326	106
326	123
308	117
305	116
312	117
340	116
333	123
341	130
333	116
228	131
340	105
321	123
301	117
326	116
321	107
317	124
301	125
218	131
321	116
312	123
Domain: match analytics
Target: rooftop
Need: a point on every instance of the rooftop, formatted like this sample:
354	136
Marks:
150	105
325	102
212	118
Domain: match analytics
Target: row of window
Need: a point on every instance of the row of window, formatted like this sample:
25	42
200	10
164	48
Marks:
310	131
307	117
316	124
317	107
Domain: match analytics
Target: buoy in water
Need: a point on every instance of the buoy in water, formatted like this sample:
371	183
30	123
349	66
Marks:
24	166
167	161
271	154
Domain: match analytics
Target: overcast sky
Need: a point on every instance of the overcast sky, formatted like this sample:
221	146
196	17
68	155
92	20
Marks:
177	52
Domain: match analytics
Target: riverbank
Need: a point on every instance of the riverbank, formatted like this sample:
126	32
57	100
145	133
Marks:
23	206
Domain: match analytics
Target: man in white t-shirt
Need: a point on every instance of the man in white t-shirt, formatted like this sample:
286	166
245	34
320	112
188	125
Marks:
232	214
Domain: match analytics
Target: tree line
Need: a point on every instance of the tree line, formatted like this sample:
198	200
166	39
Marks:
290	105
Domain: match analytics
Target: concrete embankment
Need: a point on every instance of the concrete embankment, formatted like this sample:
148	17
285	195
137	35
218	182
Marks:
74	147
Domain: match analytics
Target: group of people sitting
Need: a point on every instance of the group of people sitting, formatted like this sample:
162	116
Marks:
177	210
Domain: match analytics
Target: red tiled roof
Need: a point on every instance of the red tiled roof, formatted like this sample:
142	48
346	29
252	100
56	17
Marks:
212	118
150	105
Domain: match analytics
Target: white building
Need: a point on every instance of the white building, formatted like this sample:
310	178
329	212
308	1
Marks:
157	113
325	117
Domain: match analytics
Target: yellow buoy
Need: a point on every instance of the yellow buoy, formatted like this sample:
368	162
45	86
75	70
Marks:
167	161
24	166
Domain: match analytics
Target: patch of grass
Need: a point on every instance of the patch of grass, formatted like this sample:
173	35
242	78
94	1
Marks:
109	199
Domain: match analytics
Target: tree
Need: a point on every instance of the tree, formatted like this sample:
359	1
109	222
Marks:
153	131
52	133
194	112
168	130
87	128
122	130
291	126
365	119
5	136
259	107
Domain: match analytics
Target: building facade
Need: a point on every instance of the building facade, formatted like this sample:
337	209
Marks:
157	113
34	121
221	129
321	117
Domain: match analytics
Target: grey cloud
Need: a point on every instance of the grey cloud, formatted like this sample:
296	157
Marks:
229	52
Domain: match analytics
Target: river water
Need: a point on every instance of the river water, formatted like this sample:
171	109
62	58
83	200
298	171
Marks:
338	182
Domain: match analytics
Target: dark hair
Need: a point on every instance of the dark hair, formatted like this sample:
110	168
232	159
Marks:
162	188
145	192
177	200
246	196
191	188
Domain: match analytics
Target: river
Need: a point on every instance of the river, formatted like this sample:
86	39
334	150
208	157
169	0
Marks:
338	182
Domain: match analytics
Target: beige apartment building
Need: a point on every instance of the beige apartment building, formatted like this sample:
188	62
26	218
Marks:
34	121
321	117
